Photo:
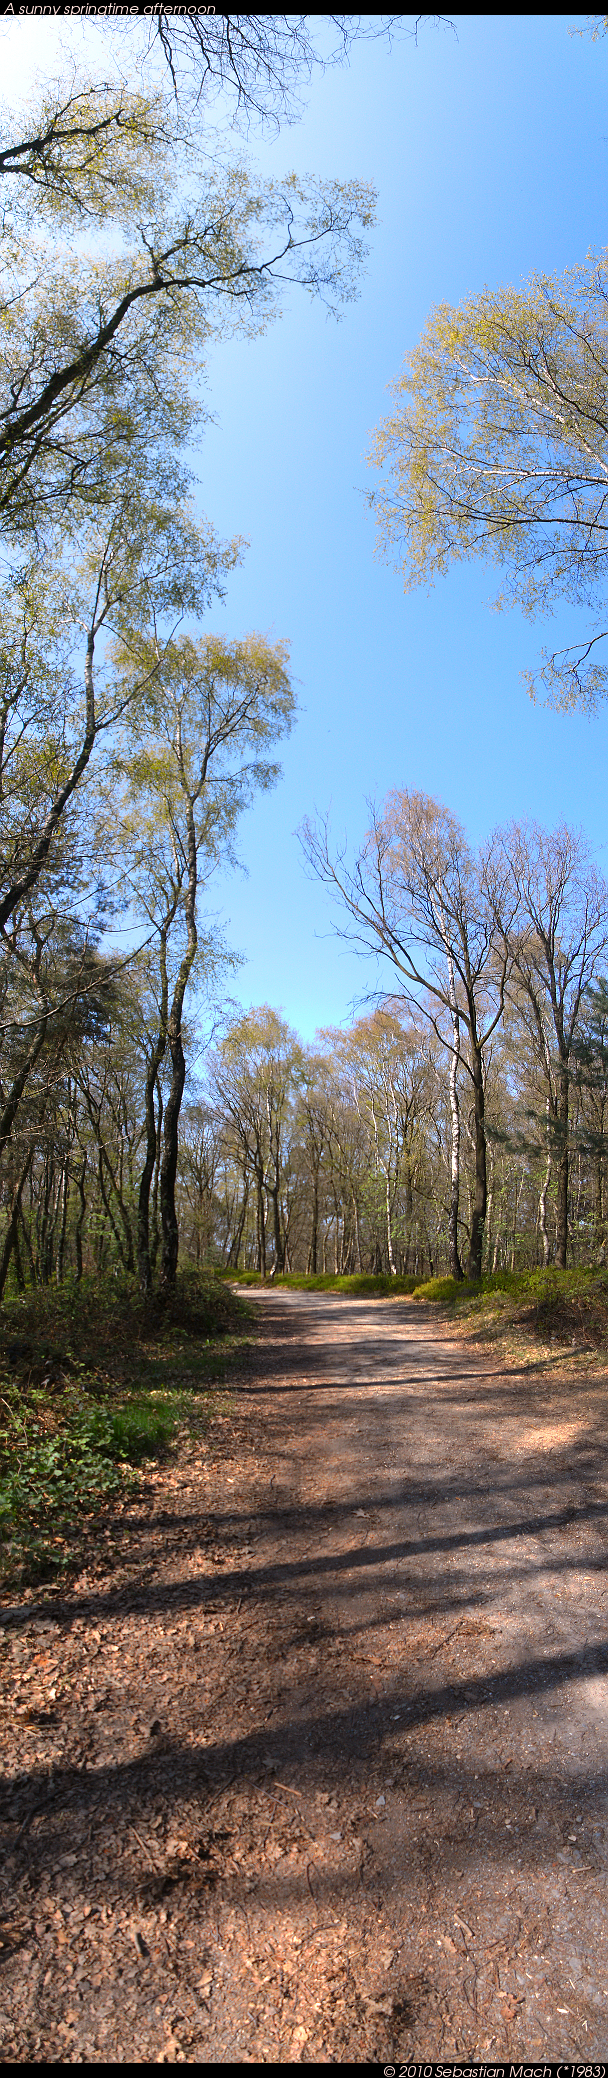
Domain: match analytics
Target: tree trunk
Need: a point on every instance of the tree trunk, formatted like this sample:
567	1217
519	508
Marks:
11	1232
478	1218
168	1215
155	1242
261	1226
599	1202
144	1266
145	1261
279	1252
168	1173
389	1228
80	1219
562	1166
65	1192
234	1250
542	1202
456	1269
315	1225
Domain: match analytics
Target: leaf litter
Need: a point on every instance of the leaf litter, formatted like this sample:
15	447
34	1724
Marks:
276	1791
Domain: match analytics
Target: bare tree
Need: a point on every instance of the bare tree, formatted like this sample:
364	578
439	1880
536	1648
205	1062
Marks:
417	896
551	913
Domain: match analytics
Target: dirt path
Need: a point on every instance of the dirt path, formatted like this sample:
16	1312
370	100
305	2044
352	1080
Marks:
318	1772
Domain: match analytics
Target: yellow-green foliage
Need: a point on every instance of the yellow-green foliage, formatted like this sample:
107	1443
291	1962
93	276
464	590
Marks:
496	446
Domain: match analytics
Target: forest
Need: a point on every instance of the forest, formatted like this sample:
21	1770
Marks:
155	1126
303	1040
365	1152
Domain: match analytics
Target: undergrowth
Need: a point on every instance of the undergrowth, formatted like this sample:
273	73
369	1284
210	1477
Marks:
565	1307
94	1381
357	1286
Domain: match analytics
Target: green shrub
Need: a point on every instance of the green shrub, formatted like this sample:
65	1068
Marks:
94	1380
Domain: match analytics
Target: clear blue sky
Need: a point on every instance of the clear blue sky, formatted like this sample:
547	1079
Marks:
489	150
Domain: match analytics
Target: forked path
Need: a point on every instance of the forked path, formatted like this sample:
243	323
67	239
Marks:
341	1790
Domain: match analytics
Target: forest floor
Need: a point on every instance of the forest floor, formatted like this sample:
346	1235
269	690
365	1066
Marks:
315	1769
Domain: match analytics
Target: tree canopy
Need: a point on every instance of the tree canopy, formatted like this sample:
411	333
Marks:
497	447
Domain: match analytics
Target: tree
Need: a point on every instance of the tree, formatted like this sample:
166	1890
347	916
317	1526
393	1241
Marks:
417	896
94	342
257	62
498	447
213	708
386	1065
590	1074
255	1073
140	560
551	911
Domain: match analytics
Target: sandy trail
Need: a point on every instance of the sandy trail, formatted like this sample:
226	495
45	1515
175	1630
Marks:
350	1777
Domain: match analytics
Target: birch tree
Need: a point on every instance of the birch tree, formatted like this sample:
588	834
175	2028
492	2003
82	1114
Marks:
554	935
213	709
416	895
497	448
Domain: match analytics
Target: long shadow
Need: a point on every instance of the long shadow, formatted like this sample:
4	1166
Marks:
365	1560
351	1733
408	1494
283	1328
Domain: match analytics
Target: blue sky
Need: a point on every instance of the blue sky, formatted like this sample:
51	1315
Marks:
489	150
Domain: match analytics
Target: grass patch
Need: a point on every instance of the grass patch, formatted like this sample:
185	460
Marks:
569	1307
356	1287
94	1382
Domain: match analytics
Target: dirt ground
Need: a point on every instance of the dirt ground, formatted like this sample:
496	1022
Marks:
315	1771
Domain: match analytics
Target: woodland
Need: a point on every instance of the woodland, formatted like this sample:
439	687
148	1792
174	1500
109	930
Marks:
303	1480
151	1129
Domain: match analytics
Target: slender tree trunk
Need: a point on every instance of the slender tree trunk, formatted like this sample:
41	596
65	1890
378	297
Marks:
262	1229
562	1166
155	1242
108	1212
279	1252
168	1214
11	1232
65	1192
234	1250
599	1202
515	1218
144	1266
168	1173
13	1100
315	1224
17	1257
409	1216
28	1245
456	1269
478	1218
126	1253
389	1228
542	1202
80	1220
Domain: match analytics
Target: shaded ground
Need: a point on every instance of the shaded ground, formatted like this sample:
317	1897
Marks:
318	1771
